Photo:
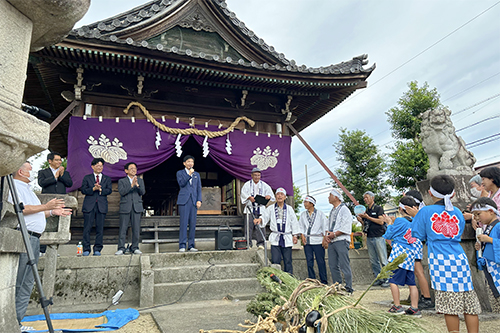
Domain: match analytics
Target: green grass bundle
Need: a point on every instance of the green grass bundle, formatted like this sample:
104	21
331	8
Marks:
343	313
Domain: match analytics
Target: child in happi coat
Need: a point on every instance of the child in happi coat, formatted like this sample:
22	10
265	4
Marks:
485	210
442	225
399	232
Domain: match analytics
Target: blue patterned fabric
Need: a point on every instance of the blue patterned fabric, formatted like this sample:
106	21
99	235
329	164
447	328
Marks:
494	270
450	272
419	249
409	263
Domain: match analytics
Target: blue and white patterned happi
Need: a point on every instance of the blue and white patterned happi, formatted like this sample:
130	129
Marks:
450	272
419	249
409	263
494	270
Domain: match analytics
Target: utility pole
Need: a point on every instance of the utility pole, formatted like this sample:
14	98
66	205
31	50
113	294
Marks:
307	182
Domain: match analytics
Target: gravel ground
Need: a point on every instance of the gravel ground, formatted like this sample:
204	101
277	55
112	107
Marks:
144	324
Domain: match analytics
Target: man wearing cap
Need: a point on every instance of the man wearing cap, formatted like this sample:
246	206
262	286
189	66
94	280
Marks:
374	227
338	240
253	210
313	226
284	230
188	200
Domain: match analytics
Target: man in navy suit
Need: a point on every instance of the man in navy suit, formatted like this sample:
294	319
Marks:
54	179
96	188
131	189
188	200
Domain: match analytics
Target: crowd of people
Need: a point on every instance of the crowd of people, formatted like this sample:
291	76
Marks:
439	226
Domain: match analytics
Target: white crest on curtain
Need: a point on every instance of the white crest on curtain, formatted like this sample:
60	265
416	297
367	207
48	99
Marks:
206	150
158	139
110	152
228	145
265	159
178	147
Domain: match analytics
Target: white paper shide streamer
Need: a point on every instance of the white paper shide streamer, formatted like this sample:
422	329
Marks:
206	150
178	147
228	145
158	139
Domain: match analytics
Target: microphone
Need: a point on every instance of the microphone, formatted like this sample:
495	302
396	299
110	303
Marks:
479	231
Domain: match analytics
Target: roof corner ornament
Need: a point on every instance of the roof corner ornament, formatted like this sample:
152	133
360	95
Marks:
243	103
79	87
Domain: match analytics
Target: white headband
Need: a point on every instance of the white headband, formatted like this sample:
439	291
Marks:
486	208
281	190
447	198
420	203
310	199
337	193
402	206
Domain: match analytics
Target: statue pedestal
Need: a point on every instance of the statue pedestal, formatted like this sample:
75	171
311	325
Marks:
11	244
461	199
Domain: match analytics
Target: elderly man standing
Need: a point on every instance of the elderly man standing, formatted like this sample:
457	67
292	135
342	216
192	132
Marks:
338	240
253	209
284	230
374	227
34	216
313	226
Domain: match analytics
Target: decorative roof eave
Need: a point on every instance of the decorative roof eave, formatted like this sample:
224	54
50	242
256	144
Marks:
195	73
103	32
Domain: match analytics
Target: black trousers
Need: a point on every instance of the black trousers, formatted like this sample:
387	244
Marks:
285	253
88	222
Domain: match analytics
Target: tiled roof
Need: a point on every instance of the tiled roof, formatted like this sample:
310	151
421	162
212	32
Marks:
109	30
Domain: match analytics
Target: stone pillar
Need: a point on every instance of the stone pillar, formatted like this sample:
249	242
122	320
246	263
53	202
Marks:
461	200
147	283
24	25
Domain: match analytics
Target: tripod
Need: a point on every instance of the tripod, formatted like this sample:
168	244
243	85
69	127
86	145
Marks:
18	207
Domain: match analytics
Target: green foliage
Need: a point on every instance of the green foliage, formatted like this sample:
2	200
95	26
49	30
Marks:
297	199
362	166
409	163
45	165
404	118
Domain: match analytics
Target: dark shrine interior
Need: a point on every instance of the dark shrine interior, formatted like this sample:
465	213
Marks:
161	182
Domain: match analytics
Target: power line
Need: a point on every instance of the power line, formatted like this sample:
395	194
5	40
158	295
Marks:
479	122
478	103
491	136
471	87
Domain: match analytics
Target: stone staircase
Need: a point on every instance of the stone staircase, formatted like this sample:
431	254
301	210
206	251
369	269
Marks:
206	275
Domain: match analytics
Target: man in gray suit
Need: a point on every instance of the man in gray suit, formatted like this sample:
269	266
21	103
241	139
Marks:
131	189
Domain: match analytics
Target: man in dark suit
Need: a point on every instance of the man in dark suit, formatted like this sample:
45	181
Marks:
131	189
188	200
54	179
96	188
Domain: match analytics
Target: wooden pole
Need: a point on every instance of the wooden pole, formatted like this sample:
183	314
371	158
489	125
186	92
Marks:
63	115
307	183
322	164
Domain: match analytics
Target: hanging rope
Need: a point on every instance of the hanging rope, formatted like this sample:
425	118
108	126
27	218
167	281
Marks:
188	131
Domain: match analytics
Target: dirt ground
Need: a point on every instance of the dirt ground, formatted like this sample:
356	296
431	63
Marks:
376	299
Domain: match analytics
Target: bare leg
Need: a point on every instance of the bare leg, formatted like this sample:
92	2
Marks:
395	294
422	281
472	323
452	323
414	296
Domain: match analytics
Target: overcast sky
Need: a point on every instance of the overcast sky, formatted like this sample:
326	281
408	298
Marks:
442	42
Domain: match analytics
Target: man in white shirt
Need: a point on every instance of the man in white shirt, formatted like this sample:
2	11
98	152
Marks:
253	210
338	240
313	226
284	230
34	216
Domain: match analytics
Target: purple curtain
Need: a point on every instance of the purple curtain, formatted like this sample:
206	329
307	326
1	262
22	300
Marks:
140	141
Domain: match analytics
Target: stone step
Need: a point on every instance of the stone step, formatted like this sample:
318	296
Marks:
201	258
165	293
216	272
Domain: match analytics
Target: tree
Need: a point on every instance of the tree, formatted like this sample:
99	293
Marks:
297	199
409	162
362	166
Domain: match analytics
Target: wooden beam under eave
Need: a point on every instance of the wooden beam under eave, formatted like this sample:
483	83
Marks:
63	115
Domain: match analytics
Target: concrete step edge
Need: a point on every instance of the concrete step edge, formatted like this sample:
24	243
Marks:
174	284
155	269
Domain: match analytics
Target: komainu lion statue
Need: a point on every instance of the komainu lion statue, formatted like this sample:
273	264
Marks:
446	151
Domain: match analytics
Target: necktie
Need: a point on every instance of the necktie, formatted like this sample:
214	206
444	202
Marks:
97	179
